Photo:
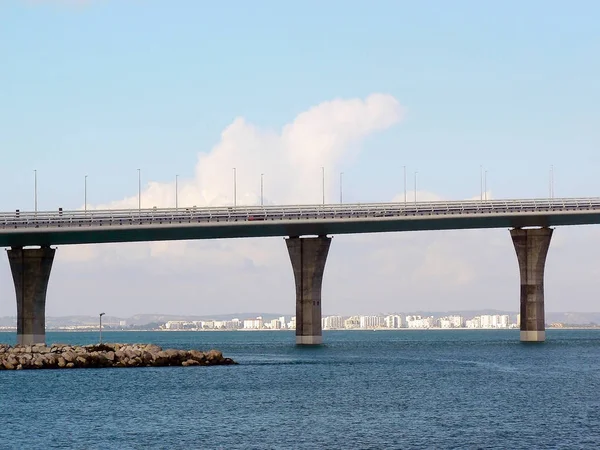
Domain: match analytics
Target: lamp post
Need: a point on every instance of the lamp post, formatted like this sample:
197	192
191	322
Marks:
234	187
481	182
552	181
176	192
416	173
485	185
139	190
101	314
404	167
323	182
35	190
262	175
85	193
341	187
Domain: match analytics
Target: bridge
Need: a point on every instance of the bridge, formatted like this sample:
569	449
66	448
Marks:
306	228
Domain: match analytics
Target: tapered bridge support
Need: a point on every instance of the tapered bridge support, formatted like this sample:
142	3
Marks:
532	246
308	256
31	271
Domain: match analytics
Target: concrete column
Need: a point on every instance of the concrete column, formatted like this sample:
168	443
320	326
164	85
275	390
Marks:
308	256
31	271
531	246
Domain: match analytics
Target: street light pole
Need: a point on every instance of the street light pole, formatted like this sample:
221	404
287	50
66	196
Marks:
35	189
404	167
341	187
485	185
552	181
481	182
262	175
101	314
323	182
416	173
139	190
85	194
234	187
176	192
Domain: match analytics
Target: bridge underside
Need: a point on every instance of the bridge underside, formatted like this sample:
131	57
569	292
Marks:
190	230
31	269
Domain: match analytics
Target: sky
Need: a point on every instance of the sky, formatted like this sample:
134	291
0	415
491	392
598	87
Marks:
102	88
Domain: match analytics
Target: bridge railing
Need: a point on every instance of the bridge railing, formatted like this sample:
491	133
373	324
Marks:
156	216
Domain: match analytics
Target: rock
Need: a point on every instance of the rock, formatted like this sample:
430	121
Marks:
196	355
214	355
190	362
151	348
147	357
103	355
69	356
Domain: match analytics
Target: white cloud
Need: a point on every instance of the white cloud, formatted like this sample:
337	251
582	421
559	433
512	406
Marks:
291	159
324	136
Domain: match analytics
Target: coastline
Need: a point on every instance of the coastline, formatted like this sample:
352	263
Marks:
104	330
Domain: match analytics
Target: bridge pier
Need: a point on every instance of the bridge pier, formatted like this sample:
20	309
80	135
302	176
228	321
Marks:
308	256
532	246
31	271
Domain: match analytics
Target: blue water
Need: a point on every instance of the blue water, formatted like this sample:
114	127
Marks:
396	389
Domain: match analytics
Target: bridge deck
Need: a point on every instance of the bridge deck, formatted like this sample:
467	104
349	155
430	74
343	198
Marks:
102	226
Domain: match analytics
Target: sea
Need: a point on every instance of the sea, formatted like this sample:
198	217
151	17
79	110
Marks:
425	389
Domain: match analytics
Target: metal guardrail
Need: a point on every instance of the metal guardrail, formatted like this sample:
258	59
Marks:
231	214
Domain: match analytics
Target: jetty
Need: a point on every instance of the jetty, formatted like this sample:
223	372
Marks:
63	356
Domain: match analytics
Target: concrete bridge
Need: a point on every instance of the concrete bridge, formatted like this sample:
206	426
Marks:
306	229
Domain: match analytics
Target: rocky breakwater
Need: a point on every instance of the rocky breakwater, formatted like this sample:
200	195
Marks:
59	356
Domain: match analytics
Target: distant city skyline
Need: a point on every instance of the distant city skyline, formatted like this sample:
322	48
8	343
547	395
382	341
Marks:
447	92
140	321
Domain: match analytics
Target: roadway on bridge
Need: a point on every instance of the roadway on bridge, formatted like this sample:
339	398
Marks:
20	229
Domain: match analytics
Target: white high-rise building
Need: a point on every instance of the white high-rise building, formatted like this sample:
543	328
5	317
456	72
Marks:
333	323
253	324
457	321
352	322
370	322
393	321
487	321
445	323
504	321
475	322
292	323
421	322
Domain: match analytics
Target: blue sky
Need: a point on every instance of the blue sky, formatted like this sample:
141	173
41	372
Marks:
106	87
